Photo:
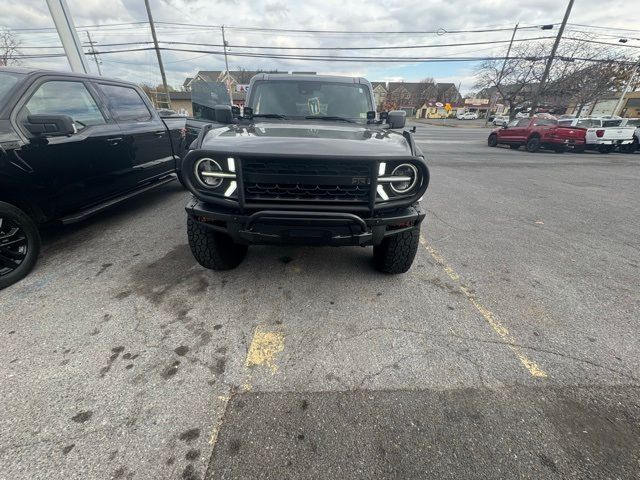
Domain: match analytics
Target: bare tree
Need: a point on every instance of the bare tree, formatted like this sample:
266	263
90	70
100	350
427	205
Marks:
514	79
584	73
9	48
581	73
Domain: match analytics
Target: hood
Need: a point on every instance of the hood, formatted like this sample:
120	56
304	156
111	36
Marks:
307	138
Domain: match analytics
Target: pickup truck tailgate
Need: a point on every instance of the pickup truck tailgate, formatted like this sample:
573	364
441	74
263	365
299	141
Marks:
571	133
610	135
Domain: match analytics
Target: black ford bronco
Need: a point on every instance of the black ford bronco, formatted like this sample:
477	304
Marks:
307	163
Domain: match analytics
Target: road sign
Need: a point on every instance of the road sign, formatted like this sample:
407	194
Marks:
447	107
439	104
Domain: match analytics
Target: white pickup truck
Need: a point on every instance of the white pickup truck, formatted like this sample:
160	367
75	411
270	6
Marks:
603	134
632	122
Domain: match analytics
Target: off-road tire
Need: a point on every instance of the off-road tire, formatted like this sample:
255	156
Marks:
533	144
27	229
214	250
514	146
492	141
396	253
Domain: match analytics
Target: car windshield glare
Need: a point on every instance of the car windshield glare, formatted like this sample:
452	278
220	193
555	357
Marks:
309	99
7	81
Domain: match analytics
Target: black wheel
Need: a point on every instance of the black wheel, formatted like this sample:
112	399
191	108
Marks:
396	253
579	149
492	141
533	144
630	147
605	148
19	244
559	149
214	250
514	146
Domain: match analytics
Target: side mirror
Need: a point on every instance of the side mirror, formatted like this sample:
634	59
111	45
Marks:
223	114
235	111
504	125
397	118
247	112
50	125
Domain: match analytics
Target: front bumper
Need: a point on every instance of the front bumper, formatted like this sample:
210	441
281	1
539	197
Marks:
301	227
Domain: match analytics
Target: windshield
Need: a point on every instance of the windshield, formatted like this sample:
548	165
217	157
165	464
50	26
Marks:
7	82
300	99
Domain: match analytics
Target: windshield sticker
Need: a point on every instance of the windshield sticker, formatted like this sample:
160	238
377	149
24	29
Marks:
314	106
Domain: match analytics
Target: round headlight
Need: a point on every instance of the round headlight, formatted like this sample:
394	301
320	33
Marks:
208	165
408	180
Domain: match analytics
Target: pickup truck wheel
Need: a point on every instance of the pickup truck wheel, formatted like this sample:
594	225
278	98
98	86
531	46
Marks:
214	250
560	149
630	147
514	146
19	244
492	141
579	149
533	144
605	148
396	253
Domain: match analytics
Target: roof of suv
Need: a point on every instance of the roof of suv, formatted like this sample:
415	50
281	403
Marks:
309	78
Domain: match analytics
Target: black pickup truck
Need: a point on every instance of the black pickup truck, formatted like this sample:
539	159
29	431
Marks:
308	162
70	146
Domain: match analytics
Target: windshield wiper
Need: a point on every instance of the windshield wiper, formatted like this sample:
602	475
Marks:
328	118
269	115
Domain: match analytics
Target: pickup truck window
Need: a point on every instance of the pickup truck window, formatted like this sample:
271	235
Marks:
523	122
545	122
513	123
588	123
611	123
7	82
64	98
565	123
126	104
294	99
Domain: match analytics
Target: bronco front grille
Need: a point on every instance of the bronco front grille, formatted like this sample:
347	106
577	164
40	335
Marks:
307	180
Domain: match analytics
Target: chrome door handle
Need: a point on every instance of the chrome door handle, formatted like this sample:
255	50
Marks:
114	140
160	133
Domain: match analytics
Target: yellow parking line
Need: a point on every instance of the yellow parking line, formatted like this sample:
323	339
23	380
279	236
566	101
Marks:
265	347
487	314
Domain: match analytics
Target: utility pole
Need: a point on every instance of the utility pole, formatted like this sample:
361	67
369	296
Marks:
626	88
226	63
68	36
547	68
155	43
504	65
93	52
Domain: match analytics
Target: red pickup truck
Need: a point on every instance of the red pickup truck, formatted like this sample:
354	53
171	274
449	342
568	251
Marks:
536	133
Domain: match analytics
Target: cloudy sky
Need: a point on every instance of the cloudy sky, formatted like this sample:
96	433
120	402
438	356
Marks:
434	20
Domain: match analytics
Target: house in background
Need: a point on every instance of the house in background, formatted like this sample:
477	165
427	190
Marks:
379	94
412	96
181	103
237	80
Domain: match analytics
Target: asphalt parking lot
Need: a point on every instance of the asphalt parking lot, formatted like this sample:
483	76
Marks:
509	350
